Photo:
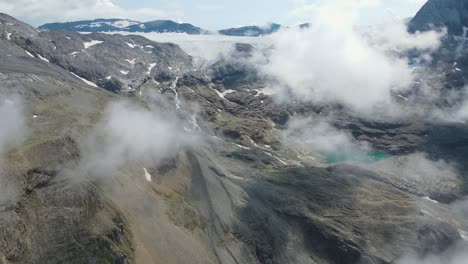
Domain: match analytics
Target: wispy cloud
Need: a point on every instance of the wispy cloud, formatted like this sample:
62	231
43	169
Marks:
331	61
209	7
129	133
13	130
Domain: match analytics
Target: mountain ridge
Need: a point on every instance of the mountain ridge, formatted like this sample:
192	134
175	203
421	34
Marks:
117	24
160	26
452	14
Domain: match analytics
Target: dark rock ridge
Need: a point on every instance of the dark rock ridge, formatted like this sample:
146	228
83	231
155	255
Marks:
452	14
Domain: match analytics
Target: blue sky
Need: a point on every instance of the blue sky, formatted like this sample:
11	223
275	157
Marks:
208	14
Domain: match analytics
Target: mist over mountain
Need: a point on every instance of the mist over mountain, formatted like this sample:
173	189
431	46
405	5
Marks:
324	143
106	25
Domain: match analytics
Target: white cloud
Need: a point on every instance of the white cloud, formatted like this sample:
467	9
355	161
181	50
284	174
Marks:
209	7
332	62
319	136
129	133
12	131
457	254
41	11
13	128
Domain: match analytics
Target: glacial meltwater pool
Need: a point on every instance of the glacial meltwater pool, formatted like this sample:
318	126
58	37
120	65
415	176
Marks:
355	155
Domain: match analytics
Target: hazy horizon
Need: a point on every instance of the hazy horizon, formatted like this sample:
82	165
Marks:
207	14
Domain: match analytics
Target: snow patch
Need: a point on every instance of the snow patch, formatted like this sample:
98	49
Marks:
123	23
240	146
234	177
8	36
132	62
108	77
224	93
124	72
74	53
463	234
29	54
148	176
265	91
173	88
429	199
402	97
278	159
130	45
91	43
84	80
150	67
42	58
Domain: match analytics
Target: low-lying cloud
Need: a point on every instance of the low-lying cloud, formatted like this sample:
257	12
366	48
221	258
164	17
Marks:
13	128
457	254
319	136
423	174
333	61
131	133
12	131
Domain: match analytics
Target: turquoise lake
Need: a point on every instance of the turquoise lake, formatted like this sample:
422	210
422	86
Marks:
355	155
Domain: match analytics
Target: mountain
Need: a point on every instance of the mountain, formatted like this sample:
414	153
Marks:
451	59
132	154
251	31
159	26
105	25
162	26
452	14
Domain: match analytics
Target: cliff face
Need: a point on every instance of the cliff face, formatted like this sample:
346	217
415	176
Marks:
452	14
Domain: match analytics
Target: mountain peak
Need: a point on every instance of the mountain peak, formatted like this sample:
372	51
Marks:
251	31
452	14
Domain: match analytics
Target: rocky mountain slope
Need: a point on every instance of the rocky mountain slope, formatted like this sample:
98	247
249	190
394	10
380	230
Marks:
98	183
452	14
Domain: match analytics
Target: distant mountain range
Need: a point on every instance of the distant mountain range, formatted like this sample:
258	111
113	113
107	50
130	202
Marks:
104	25
253	31
159	26
452	14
